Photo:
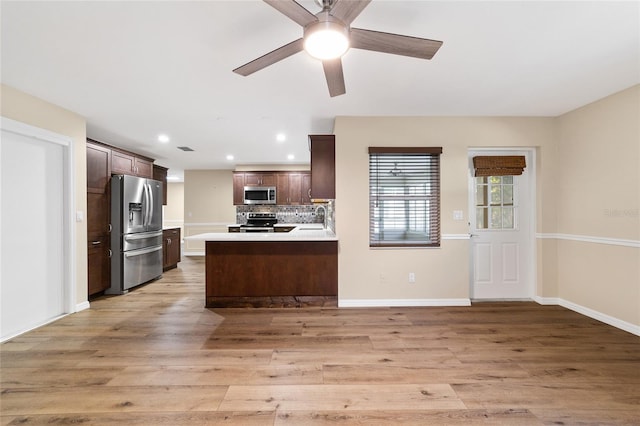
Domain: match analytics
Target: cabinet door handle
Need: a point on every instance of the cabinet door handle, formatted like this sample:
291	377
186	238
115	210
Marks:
110	253
110	227
168	240
95	243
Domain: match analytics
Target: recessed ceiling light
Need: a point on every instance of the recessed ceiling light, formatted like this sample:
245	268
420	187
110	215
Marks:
290	157
162	138
281	137
230	157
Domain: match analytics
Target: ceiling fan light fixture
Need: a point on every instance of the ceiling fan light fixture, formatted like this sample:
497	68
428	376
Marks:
326	39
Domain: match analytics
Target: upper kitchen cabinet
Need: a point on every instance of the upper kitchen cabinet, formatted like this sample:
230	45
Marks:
238	188
293	188
323	167
259	179
242	179
160	173
128	164
98	168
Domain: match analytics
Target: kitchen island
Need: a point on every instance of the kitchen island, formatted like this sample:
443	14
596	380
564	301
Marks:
271	269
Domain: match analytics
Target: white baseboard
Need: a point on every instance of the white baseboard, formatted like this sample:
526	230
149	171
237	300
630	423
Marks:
397	303
607	319
193	253
82	306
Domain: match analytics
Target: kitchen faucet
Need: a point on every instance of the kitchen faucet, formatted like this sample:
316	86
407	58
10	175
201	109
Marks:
324	216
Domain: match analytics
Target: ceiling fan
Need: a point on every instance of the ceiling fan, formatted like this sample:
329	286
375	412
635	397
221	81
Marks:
334	20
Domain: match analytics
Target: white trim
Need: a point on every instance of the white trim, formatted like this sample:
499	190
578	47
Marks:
456	237
35	327
82	306
20	128
607	319
177	222
193	253
381	303
590	239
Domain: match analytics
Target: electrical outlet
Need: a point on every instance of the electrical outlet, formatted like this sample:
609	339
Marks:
412	277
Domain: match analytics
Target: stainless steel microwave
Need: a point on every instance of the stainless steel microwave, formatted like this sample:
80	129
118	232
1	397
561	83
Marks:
259	195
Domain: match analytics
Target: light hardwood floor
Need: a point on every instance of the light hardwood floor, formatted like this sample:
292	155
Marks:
156	357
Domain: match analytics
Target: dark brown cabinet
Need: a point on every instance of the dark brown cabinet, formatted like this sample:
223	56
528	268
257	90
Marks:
306	188
171	248
238	188
259	179
98	195
160	173
293	188
323	168
128	164
103	161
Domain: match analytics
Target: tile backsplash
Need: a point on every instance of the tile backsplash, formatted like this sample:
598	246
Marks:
291	214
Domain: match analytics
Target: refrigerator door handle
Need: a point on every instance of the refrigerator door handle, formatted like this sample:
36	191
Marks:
145	201
150	192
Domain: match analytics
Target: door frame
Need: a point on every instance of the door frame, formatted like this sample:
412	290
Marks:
69	285
531	158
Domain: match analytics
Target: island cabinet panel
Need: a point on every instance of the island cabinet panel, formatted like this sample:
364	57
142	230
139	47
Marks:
270	269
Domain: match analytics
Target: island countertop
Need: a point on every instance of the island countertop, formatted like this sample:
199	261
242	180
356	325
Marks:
301	232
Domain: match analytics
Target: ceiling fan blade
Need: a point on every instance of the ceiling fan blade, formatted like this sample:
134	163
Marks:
348	10
394	43
271	58
334	76
293	10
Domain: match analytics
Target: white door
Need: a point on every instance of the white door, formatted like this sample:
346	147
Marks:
34	277
501	233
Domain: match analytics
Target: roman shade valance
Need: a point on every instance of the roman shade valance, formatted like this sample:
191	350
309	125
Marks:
499	165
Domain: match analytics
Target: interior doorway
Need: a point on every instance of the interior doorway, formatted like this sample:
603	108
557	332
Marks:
501	225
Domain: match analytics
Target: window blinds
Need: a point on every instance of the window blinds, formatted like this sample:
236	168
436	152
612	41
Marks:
404	197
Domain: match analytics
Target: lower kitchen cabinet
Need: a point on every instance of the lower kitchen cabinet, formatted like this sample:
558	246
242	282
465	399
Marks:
170	248
99	265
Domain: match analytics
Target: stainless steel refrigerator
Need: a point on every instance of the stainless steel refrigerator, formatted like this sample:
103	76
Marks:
136	234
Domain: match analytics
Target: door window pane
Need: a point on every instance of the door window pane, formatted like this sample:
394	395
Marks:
495	202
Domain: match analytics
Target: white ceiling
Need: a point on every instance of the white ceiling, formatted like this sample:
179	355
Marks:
137	69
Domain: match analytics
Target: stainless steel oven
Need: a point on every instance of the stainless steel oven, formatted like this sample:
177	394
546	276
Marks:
259	222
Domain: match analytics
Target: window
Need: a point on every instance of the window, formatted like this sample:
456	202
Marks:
495	206
404	197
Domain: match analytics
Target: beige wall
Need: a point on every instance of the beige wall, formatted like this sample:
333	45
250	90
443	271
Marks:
208	204
22	107
440	273
599	196
587	204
